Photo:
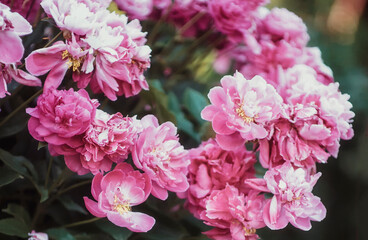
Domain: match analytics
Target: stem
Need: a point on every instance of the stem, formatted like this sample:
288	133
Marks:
20	107
190	23
81	222
157	26
48	172
74	186
52	40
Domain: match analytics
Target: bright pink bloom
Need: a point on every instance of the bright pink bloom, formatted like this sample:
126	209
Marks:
292	201
37	236
159	153
212	168
27	8
232	211
60	118
234	17
12	26
110	138
116	193
241	110
9	72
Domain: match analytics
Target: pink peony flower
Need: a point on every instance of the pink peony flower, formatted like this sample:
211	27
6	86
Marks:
292	201
116	193
9	72
159	154
241	110
12	26
110	138
230	211
212	168
234	17
37	236
60	118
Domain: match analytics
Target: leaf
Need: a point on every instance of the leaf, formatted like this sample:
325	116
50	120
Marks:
18	212
41	145
59	234
43	192
183	124
70	205
194	101
19	164
118	233
14	227
17	124
8	176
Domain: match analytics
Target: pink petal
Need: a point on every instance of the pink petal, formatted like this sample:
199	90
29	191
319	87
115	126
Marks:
56	76
11	47
230	142
159	192
134	221
96	186
23	77
219	124
93	208
73	163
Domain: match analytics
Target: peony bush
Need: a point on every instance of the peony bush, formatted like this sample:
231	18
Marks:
121	143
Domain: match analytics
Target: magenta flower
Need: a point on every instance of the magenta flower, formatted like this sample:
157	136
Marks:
27	8
116	193
60	118
110	138
159	154
9	72
140	9
292	201
234	17
241	110
37	236
212	168
12	26
233	212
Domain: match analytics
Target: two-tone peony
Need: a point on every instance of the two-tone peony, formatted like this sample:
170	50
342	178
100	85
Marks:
116	193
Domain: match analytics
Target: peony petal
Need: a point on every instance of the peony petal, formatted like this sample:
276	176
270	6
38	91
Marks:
11	47
134	221
230	142
93	208
96	185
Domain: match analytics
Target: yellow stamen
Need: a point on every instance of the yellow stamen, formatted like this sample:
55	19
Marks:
72	62
240	111
121	208
249	232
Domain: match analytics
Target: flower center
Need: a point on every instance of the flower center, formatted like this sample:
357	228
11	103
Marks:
72	62
240	111
121	208
249	231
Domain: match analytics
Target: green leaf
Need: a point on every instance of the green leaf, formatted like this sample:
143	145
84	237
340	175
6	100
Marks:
17	124
183	124
14	227
43	192
16	163
194	101
59	234
118	233
8	176
18	212
70	205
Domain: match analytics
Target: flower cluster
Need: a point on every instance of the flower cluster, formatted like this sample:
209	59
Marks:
102	48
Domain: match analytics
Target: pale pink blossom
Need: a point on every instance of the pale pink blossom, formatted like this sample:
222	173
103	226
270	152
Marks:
241	110
293	200
116	193
159	154
60	118
9	72
235	17
12	26
212	168
230	211
37	236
